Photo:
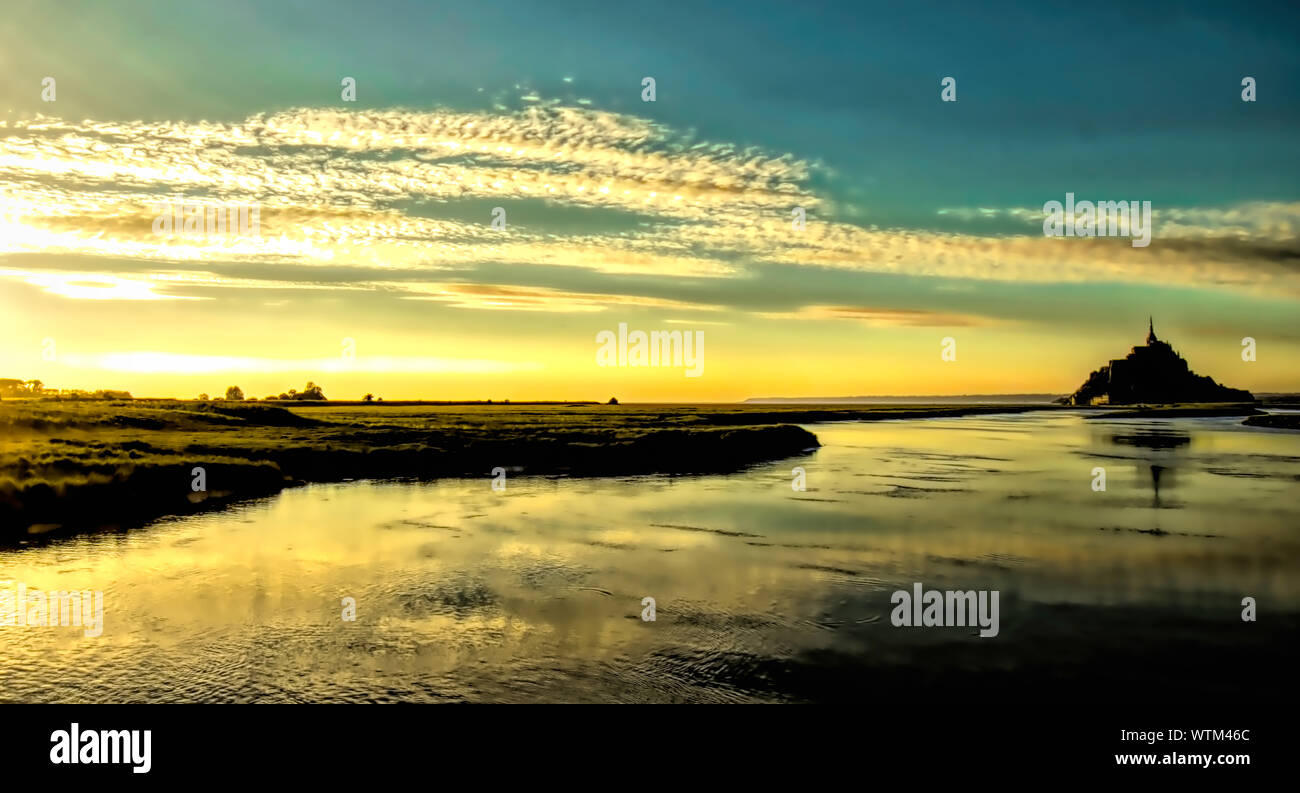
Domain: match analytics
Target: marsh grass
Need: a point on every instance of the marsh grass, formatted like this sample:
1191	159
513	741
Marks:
78	464
68	465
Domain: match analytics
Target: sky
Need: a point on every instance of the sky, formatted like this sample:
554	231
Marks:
376	266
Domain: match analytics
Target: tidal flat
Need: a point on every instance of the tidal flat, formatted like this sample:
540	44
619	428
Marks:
764	592
72	465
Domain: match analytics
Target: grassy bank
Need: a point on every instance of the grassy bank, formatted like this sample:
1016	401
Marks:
67	465
1280	421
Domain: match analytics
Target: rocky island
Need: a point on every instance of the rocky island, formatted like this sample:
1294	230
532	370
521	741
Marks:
1152	373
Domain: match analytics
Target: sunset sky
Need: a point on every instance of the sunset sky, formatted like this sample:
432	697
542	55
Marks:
924	218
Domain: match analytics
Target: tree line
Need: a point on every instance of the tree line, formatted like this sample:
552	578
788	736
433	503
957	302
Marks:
310	392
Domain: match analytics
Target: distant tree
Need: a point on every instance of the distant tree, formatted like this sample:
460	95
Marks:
612	401
35	387
270	398
312	391
235	394
203	397
368	398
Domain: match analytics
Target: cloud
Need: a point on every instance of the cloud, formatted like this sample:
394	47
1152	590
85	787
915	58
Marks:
87	285
532	298
144	362
1265	222
879	316
354	189
471	295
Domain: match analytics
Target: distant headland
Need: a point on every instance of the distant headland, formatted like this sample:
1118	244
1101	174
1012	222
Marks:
1152	373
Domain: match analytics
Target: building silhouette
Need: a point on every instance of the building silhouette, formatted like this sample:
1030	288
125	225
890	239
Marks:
1152	373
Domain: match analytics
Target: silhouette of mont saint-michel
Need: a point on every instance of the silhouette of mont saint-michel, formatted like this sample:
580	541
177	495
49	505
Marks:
1152	373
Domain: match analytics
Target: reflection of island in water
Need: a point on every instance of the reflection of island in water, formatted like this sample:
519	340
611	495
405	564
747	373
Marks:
1166	444
1154	374
1153	439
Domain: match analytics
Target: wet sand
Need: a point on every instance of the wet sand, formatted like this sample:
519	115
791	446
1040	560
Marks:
764	593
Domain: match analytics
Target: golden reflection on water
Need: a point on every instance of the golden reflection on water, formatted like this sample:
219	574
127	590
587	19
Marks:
464	593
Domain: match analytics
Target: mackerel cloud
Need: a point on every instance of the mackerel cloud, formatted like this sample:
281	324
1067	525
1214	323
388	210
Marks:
400	194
